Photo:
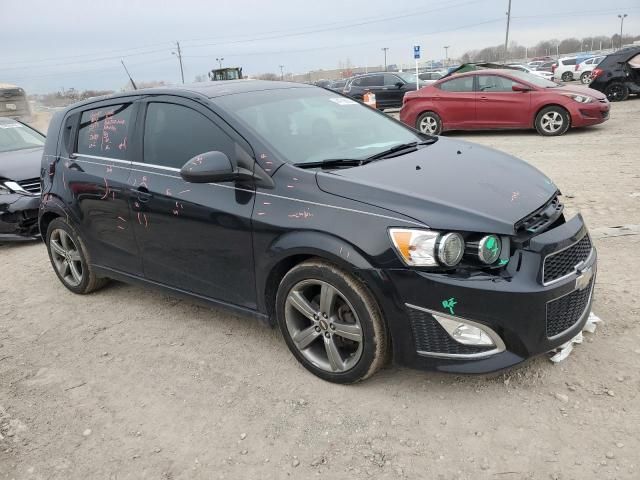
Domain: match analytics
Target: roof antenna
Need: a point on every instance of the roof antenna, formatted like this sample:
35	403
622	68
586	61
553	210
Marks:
133	84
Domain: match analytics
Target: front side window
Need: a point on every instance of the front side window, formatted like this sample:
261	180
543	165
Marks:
495	83
391	80
461	84
104	131
174	134
311	124
16	136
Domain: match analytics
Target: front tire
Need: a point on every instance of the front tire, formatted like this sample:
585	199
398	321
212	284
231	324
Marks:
429	123
585	78
552	121
617	92
331	323
70	259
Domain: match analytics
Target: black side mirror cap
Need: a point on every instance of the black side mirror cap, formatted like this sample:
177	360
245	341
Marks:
209	167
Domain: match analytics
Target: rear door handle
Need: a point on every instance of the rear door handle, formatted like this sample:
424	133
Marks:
143	194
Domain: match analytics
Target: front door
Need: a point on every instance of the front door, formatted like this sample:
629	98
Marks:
498	106
192	236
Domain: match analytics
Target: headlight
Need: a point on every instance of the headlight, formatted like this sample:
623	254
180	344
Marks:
579	98
4	190
426	248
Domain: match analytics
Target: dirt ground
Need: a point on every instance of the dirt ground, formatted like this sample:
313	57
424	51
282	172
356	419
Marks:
129	384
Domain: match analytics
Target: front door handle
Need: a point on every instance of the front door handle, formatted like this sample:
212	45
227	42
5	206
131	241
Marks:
143	194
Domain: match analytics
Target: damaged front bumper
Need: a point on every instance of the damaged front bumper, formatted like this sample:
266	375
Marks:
19	217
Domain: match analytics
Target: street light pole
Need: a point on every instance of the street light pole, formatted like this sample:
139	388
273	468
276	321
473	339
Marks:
506	38
281	72
446	55
220	60
384	49
621	17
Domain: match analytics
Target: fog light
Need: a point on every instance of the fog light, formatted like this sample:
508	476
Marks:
465	333
489	249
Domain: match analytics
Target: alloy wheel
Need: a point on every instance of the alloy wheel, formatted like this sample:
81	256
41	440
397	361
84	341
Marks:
428	125
551	122
324	326
615	92
66	257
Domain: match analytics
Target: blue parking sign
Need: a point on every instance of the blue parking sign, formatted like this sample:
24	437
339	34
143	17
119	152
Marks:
416	51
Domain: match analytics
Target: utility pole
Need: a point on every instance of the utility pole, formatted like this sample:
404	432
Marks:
179	55
220	60
281	72
384	49
506	38
446	55
621	17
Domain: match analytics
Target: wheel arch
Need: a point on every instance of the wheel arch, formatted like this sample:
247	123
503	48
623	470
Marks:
294	248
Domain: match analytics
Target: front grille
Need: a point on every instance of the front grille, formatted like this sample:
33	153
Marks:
605	114
564	262
429	336
564	312
31	185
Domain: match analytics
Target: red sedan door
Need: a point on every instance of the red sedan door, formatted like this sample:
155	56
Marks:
498	106
455	102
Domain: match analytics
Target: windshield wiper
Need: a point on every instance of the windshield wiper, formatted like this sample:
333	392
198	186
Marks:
401	147
333	162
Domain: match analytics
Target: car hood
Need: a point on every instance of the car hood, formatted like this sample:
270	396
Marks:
580	90
21	164
451	185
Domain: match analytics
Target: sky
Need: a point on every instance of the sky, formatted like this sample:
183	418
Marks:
58	44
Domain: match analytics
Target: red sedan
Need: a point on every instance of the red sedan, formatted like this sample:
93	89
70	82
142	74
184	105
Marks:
502	99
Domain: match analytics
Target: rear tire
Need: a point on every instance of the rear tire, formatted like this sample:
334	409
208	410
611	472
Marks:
616	92
331	322
429	123
552	121
567	76
70	259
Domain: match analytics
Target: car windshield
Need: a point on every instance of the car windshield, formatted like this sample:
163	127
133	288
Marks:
533	79
306	125
16	136
407	77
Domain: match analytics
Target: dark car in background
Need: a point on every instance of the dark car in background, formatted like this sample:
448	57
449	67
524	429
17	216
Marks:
388	87
618	75
361	238
14	103
20	157
337	85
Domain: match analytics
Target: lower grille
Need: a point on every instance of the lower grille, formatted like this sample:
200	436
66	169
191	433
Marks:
429	336
31	185
564	262
564	312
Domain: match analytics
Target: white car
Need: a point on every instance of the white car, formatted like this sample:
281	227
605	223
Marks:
583	69
537	73
564	69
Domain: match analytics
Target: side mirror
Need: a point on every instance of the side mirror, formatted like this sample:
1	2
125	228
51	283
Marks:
212	167
399	84
520	88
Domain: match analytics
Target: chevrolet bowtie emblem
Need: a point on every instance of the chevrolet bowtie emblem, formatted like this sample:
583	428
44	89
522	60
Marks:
584	277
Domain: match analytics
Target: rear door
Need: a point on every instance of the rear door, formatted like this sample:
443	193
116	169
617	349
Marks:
94	175
195	237
375	84
455	101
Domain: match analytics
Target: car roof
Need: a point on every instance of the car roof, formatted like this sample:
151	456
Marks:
205	89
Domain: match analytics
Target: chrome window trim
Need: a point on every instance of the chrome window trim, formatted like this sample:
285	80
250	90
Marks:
499	343
581	263
582	315
98	157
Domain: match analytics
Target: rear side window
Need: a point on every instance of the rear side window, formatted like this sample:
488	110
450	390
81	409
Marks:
372	81
571	61
462	84
174	134
104	131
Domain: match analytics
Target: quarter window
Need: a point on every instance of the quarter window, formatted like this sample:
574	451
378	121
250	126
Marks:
174	134
104	131
462	84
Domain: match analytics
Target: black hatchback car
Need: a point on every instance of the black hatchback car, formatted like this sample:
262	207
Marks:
388	87
618	75
361	238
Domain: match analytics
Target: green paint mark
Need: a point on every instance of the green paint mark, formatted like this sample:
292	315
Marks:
449	304
504	261
492	245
